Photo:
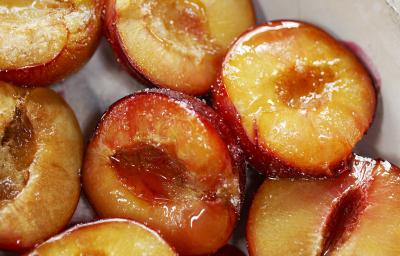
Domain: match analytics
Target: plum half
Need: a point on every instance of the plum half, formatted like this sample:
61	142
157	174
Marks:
106	237
167	160
175	44
44	41
297	98
354	214
41	150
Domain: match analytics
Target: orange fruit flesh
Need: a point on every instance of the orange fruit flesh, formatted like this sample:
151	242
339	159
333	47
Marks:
157	162
344	216
310	99
111	237
34	32
179	44
40	153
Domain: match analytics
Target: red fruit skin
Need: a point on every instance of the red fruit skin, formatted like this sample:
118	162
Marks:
209	118
262	159
64	64
109	17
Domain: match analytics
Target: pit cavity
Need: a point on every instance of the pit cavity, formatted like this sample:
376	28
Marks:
17	151
181	25
303	87
152	173
343	219
155	174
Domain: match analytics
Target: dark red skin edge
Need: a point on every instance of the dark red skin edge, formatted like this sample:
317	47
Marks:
209	118
263	159
45	74
22	249
365	183
112	35
109	17
100	222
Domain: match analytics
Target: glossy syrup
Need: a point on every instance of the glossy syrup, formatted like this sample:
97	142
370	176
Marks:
148	171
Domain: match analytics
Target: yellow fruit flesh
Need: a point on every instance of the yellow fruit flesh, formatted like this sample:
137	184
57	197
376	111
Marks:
310	99
42	148
106	238
378	229
295	217
178	44
288	217
34	32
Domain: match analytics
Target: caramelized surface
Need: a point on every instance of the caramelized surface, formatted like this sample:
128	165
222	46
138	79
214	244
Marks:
17	152
155	160
34	32
305	99
348	215
150	172
110	237
179	44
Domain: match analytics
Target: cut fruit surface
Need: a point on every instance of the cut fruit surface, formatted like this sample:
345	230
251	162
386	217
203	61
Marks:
167	160
302	104
355	214
106	237
176	44
43	41
40	156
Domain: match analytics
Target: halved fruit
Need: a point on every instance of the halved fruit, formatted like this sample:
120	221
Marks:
355	214
43	41
106	237
41	149
168	161
301	104
175	44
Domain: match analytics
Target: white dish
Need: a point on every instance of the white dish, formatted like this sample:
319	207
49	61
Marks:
373	25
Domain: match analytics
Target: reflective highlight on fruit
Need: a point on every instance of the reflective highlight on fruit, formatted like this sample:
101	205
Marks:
297	98
167	160
106	237
175	44
348	215
40	157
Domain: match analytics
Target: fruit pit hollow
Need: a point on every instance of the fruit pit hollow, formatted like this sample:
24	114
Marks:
155	174
303	87
181	25
17	151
